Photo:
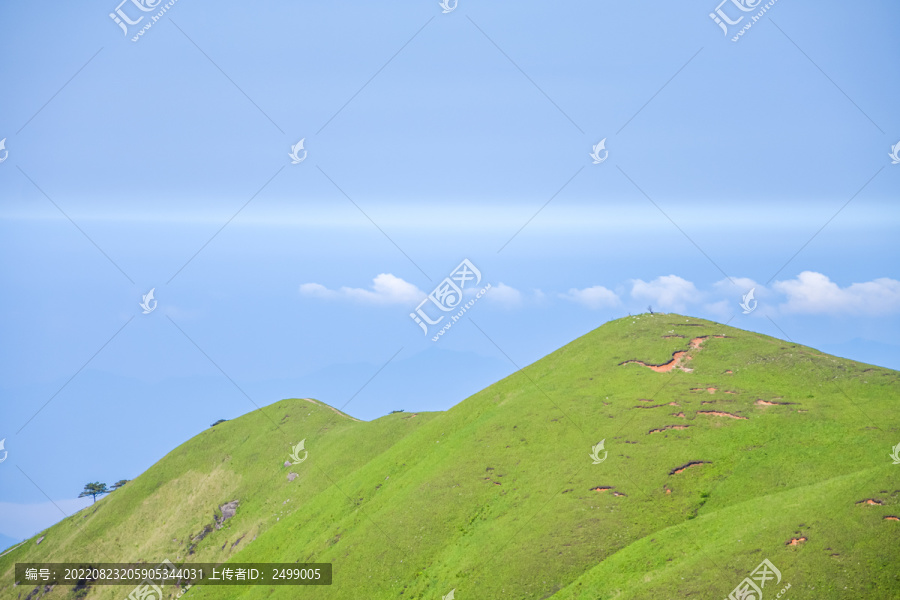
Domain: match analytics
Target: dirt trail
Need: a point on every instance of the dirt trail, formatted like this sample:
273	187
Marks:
663	368
316	402
697	341
678	357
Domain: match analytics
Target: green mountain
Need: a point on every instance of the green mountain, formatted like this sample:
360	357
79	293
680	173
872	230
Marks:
721	448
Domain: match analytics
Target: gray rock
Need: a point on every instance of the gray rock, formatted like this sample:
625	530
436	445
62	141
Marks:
228	511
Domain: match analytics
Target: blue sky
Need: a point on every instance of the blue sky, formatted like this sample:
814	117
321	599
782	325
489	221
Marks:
431	138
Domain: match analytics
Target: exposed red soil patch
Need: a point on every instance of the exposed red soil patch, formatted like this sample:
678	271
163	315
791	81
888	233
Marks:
891	518
668	427
695	343
604	488
619	494
711	390
680	469
761	402
678	357
871	502
497	483
681	414
651	406
707	402
729	372
668	491
795	541
730	392
663	368
674	404
718	413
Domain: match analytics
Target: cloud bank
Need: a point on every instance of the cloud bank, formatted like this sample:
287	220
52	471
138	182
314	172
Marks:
810	293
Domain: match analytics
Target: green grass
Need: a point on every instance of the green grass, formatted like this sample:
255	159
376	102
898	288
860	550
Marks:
494	497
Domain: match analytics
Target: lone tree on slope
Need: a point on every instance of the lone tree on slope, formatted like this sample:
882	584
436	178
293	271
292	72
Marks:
94	489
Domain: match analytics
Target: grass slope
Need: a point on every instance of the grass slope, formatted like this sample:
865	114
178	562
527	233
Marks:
497	497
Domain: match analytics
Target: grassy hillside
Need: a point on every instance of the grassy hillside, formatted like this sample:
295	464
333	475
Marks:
742	447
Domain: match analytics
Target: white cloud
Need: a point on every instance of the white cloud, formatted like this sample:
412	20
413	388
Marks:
815	293
740	285
505	295
386	289
669	292
592	297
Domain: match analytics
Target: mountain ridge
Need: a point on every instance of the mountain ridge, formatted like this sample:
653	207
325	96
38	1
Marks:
496	496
